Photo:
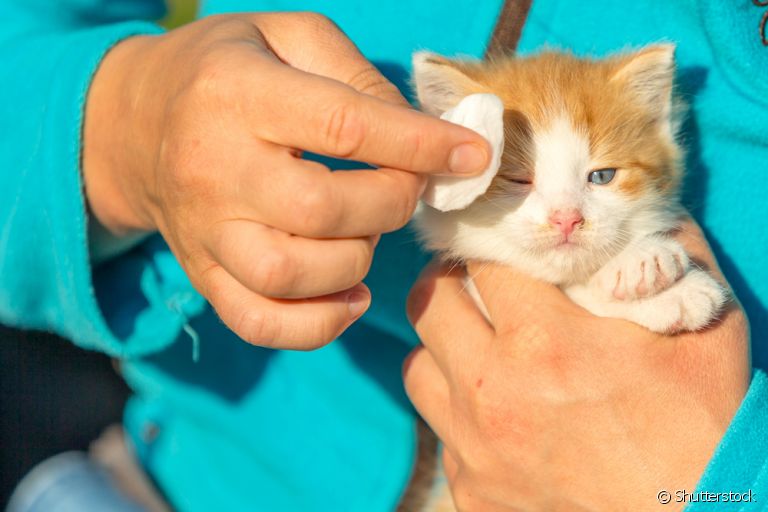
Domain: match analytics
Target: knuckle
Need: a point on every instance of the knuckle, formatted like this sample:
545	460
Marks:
222	26
181	156
257	327
319	27
208	76
316	210
344	129
368	80
413	146
316	20
274	273
213	76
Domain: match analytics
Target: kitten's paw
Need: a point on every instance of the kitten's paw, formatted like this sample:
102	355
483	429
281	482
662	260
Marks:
643	270
693	303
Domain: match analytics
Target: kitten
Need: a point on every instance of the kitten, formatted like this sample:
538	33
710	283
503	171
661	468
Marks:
588	190
587	195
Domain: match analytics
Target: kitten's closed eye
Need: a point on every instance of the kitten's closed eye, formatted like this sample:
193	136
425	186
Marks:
518	181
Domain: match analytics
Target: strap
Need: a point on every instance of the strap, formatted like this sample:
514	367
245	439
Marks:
509	27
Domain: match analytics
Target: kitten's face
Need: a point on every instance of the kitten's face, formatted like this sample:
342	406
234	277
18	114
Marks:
590	161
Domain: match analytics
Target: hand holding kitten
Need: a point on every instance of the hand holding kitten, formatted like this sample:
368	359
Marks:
581	413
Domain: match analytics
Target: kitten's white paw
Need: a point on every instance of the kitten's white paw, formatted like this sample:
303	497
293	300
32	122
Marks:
648	267
691	304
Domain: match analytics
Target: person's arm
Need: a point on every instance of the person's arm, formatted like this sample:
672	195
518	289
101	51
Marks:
548	407
49	52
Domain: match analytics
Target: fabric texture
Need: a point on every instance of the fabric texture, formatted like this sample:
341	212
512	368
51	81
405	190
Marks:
48	61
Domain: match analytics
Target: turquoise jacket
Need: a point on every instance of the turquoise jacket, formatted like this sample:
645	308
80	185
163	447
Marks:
244	428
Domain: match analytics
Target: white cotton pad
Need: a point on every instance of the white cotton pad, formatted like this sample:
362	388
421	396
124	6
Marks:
483	113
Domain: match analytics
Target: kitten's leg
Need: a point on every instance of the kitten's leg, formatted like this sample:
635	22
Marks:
690	304
646	267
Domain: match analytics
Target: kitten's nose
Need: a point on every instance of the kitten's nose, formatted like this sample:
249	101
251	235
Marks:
566	220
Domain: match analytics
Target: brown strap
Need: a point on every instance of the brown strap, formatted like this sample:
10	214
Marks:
509	27
763	21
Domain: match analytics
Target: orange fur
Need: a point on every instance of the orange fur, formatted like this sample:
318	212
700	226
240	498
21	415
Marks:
596	95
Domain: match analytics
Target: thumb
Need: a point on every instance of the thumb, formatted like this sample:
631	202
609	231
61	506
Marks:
513	297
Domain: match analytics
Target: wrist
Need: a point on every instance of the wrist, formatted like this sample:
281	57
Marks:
117	139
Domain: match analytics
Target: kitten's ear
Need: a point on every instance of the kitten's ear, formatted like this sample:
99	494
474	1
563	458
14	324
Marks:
440	83
649	73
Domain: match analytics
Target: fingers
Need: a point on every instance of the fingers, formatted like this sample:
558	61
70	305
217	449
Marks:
428	390
372	126
511	296
274	264
322	115
305	198
297	325
446	319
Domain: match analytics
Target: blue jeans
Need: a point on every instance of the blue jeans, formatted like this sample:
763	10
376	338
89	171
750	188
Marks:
69	482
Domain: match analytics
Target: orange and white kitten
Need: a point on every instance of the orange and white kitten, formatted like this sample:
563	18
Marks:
588	190
586	196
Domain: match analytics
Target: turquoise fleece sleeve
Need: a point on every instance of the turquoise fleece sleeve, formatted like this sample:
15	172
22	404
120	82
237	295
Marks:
49	51
737	476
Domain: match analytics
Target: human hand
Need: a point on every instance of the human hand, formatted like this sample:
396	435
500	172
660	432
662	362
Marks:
198	133
551	408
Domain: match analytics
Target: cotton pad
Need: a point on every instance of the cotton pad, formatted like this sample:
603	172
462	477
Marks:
483	113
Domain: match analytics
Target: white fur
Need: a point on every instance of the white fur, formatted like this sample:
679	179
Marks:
689	304
560	173
439	86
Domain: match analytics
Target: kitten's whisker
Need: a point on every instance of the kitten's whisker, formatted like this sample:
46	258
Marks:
455	264
471	278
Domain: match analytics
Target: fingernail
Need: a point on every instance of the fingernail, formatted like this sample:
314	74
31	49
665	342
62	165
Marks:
468	159
358	302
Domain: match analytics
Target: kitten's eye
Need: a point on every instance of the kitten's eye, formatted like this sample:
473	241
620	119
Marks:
601	176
